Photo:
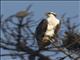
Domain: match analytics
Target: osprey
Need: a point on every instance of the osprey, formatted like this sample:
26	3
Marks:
47	30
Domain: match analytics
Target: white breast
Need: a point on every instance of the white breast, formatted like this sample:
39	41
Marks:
52	22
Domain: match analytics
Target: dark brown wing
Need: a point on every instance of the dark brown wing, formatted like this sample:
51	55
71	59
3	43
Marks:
57	28
41	29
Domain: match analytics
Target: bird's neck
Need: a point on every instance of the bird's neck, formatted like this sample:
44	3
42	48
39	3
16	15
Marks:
51	18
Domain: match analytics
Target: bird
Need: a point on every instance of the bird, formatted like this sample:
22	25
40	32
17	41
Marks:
47	29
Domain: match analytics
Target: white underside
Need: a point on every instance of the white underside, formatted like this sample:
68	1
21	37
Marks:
50	33
52	22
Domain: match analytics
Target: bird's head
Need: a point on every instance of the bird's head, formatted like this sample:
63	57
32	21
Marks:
51	14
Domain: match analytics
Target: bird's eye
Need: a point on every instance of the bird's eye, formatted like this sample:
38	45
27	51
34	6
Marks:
48	13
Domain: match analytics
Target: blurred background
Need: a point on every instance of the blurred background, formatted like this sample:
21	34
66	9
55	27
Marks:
19	20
